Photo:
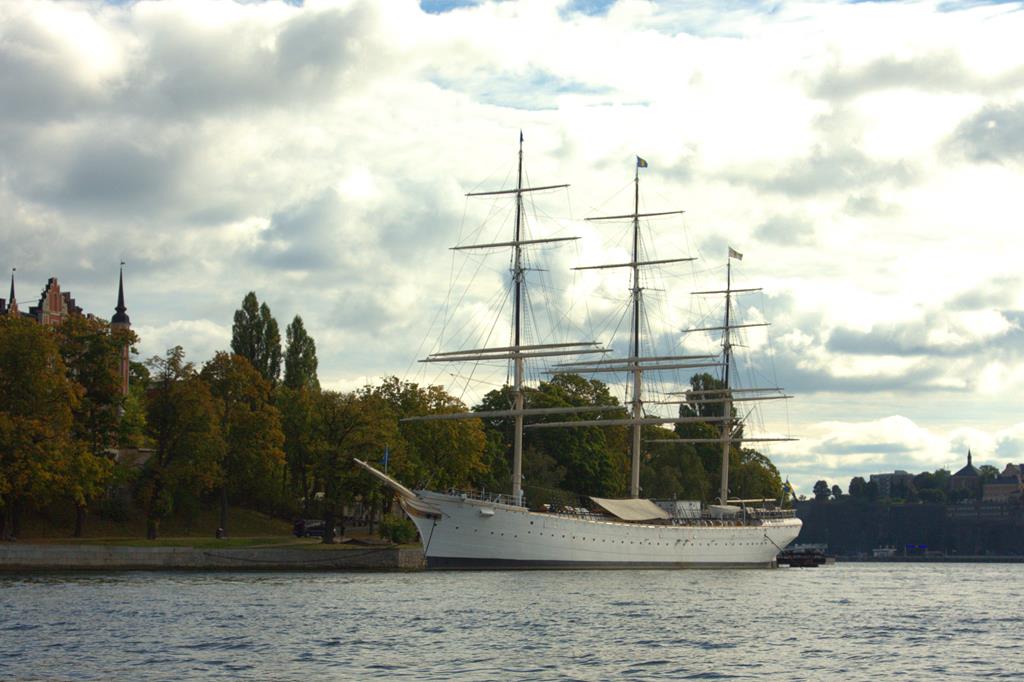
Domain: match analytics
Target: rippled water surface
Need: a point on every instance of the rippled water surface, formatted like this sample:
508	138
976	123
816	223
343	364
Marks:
850	621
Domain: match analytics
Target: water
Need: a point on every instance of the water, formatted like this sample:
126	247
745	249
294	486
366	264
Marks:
849	621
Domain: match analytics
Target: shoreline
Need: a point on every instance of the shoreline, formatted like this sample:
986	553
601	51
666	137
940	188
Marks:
964	559
49	558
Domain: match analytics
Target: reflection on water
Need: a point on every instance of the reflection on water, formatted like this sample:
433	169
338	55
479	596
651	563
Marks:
850	621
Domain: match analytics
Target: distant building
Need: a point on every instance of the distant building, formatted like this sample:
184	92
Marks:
55	306
967	479
888	482
1006	488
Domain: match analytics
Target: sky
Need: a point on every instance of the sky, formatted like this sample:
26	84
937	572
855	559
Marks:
867	158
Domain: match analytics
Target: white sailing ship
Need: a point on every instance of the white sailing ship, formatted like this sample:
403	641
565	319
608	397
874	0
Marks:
472	530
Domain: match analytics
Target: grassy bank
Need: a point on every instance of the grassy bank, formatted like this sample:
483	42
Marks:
247	529
58	524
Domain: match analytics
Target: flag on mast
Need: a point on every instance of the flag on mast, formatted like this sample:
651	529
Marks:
733	253
641	163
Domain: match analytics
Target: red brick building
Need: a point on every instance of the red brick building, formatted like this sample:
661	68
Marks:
55	306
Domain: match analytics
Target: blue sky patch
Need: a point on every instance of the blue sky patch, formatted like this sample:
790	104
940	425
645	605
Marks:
442	6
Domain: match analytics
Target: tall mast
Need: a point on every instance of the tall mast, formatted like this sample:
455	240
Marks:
517	382
517	353
634	363
727	395
634	481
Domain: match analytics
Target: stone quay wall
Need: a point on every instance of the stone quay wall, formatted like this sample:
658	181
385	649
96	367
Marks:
21	558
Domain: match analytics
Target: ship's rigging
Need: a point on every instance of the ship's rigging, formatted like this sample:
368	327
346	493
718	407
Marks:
634	364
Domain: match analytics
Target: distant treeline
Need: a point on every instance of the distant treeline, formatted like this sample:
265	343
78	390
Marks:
239	429
927	486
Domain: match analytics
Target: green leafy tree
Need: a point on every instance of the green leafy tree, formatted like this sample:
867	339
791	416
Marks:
251	428
85	477
92	355
751	474
298	424
300	357
821	491
184	423
858	488
702	400
256	337
36	404
435	454
349	425
594	459
673	470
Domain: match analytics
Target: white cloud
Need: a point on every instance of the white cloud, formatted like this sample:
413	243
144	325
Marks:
862	155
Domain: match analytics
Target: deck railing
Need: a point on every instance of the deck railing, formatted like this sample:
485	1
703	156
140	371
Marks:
748	513
484	496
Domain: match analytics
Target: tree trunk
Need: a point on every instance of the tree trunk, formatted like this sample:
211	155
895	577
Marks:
79	520
329	527
307	492
15	518
223	530
152	515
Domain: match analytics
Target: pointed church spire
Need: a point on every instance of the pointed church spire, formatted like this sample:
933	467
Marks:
968	457
12	304
120	312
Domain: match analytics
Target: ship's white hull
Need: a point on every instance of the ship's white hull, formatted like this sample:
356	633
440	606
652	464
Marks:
460	533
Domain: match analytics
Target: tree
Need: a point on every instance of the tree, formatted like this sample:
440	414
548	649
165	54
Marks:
436	454
591	459
85	476
596	459
753	476
837	492
251	428
349	424
821	491
36	403
858	488
300	357
298	424
256	337
184	422
673	470
92	355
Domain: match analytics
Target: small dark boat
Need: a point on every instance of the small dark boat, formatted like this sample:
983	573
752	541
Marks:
802	557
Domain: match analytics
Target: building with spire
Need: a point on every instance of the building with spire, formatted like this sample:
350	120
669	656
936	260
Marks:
967	479
55	306
10	306
121	322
